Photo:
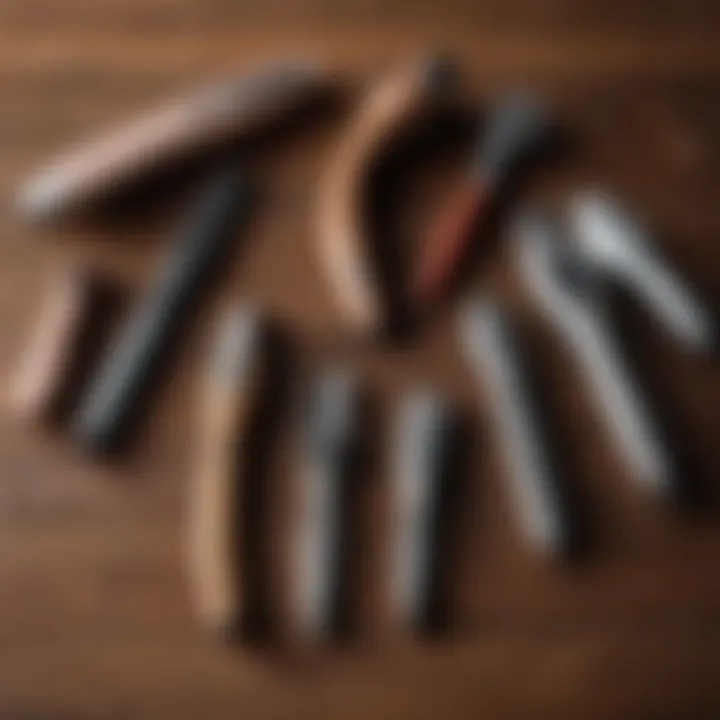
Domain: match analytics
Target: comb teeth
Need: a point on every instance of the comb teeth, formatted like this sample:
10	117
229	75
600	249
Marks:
515	125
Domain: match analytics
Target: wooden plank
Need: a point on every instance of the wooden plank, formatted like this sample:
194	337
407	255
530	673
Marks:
95	619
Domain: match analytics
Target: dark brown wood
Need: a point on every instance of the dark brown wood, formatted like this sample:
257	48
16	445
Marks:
96	618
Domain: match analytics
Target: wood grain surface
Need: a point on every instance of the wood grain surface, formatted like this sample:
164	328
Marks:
95	614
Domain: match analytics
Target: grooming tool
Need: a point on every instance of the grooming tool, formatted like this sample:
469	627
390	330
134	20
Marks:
229	399
517	125
617	244
496	354
71	309
229	108
396	103
328	452
201	247
574	299
423	429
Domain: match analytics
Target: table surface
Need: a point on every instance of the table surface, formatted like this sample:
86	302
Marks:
95	614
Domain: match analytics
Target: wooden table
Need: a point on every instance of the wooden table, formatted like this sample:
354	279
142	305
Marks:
95	619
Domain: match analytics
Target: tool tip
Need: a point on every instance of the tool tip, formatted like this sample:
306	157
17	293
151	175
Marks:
440	72
517	125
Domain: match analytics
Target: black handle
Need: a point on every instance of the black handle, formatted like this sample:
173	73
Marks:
200	248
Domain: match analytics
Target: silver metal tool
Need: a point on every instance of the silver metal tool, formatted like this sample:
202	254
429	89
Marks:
573	300
495	353
331	427
616	243
422	439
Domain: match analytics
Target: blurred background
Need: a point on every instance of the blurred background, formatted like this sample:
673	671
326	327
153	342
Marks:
96	620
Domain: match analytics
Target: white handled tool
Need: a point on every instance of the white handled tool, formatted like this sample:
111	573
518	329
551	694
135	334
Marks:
572	298
422	443
614	242
331	427
496	354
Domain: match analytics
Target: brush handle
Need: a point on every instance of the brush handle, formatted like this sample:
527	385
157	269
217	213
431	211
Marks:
164	135
330	427
420	456
396	103
317	549
69	311
200	249
499	358
450	240
229	398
